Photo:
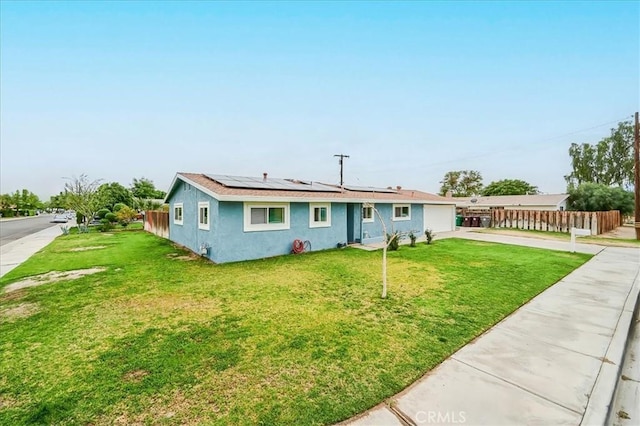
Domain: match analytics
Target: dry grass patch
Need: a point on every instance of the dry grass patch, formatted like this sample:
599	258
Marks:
8	402
14	295
23	310
88	248
51	277
183	257
135	375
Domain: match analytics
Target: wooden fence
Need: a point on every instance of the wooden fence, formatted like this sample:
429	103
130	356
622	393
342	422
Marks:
556	221
157	222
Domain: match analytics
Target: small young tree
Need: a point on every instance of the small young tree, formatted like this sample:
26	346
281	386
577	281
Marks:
388	240
81	196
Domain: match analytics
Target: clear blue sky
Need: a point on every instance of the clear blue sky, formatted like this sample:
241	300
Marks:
410	91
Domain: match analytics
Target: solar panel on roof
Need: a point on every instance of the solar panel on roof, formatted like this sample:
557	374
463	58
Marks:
369	189
270	183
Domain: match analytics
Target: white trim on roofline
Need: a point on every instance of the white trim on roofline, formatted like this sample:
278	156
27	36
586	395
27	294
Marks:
257	198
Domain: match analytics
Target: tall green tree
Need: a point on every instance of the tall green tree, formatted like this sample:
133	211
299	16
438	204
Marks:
609	162
110	194
144	188
59	201
461	183
6	201
510	187
24	200
592	197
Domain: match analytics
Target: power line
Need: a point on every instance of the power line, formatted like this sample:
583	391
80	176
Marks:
513	148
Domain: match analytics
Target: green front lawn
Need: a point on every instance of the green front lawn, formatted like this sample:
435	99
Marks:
161	338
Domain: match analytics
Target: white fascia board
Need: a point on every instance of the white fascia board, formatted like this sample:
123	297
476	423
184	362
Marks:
200	187
173	182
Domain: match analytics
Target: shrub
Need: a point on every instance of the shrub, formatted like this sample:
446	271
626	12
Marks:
393	240
118	206
102	213
413	237
429	234
7	213
111	217
105	225
125	215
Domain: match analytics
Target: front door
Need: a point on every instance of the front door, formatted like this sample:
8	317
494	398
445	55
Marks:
353	223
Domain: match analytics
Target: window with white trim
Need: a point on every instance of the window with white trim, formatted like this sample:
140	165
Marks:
319	215
401	212
177	213
203	215
266	216
367	213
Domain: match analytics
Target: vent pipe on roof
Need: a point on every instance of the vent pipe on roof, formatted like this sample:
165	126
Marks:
264	176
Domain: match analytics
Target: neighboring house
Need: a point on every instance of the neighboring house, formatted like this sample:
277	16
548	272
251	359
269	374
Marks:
514	202
231	218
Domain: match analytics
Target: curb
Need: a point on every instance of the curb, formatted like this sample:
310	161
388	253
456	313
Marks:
601	400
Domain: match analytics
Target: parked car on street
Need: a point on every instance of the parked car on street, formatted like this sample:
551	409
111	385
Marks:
59	218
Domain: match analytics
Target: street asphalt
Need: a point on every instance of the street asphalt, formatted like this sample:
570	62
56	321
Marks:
14	229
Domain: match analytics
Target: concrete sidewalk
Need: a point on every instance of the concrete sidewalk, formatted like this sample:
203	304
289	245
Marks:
14	253
554	361
468	234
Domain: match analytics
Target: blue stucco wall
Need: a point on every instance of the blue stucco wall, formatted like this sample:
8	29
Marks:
229	242
188	233
235	244
372	232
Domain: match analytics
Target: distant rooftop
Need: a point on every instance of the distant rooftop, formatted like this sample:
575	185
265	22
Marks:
511	200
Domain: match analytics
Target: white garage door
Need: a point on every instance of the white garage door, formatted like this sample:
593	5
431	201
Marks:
439	218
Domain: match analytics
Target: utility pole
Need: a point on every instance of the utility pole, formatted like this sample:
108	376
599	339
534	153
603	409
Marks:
636	175
341	161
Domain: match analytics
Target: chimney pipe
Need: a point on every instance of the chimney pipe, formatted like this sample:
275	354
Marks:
264	177
398	187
